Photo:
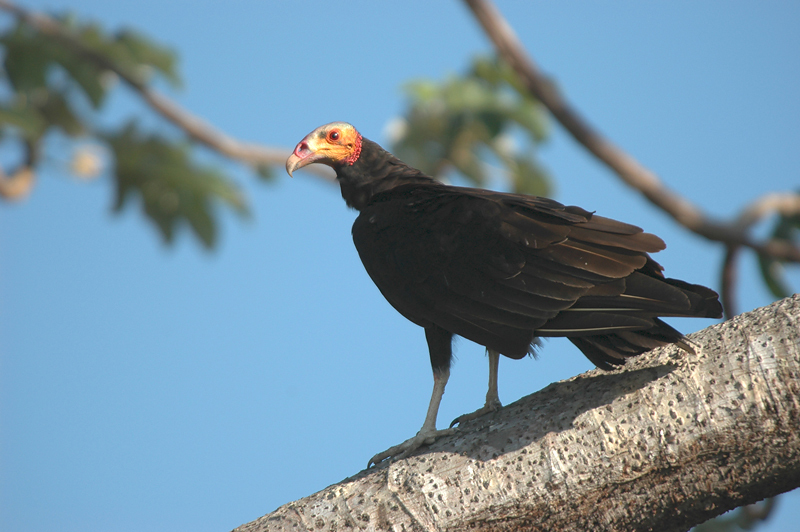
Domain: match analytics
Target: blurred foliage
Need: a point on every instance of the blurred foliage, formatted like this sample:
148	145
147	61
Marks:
741	519
50	87
265	172
172	188
467	123
787	228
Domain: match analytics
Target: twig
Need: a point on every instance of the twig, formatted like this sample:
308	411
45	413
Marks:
728	281
774	202
626	167
194	127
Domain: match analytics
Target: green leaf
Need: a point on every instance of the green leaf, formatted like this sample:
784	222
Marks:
26	59
34	113
27	119
174	190
57	112
144	52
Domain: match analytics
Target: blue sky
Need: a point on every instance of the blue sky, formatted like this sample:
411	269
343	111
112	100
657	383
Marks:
152	388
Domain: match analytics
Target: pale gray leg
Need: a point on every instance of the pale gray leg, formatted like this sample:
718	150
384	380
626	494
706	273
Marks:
492	399
428	433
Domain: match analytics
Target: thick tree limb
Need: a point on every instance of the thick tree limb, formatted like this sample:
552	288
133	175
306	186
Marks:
668	442
626	167
194	127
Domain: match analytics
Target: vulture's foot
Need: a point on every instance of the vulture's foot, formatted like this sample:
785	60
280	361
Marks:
398	452
488	408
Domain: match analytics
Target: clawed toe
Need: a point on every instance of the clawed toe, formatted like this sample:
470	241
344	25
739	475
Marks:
488	408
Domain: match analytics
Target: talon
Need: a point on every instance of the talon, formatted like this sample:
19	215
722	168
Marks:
488	408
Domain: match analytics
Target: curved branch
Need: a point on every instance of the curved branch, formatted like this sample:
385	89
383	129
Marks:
773	203
626	167
193	126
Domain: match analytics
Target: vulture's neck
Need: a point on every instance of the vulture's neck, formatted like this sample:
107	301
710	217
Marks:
375	171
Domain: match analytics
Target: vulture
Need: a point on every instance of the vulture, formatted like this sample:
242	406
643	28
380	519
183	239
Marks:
499	269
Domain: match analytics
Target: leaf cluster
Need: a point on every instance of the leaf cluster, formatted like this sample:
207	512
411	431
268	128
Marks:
53	85
470	121
172	187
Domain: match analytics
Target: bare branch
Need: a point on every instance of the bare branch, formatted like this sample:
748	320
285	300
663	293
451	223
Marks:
729	276
194	127
626	167
787	204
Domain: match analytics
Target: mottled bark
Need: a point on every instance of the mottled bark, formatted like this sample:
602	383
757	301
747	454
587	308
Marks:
668	442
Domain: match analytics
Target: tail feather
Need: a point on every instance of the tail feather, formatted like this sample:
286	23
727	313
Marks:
704	301
652	296
609	350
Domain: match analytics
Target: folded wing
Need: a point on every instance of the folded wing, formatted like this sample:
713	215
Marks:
502	269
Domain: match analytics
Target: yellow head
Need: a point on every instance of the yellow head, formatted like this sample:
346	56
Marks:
334	144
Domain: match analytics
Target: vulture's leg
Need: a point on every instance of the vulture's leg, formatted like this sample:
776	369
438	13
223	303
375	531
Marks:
493	403
439	345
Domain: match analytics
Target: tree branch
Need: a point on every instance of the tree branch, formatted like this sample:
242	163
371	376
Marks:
626	167
197	129
672	439
728	280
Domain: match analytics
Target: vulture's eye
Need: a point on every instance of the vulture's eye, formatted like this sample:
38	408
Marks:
334	135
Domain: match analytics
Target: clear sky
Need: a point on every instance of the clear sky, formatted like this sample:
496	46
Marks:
152	388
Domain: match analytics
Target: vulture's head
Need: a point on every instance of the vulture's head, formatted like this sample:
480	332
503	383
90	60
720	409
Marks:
335	144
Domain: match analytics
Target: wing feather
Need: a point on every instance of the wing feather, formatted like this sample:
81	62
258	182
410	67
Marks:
501	268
